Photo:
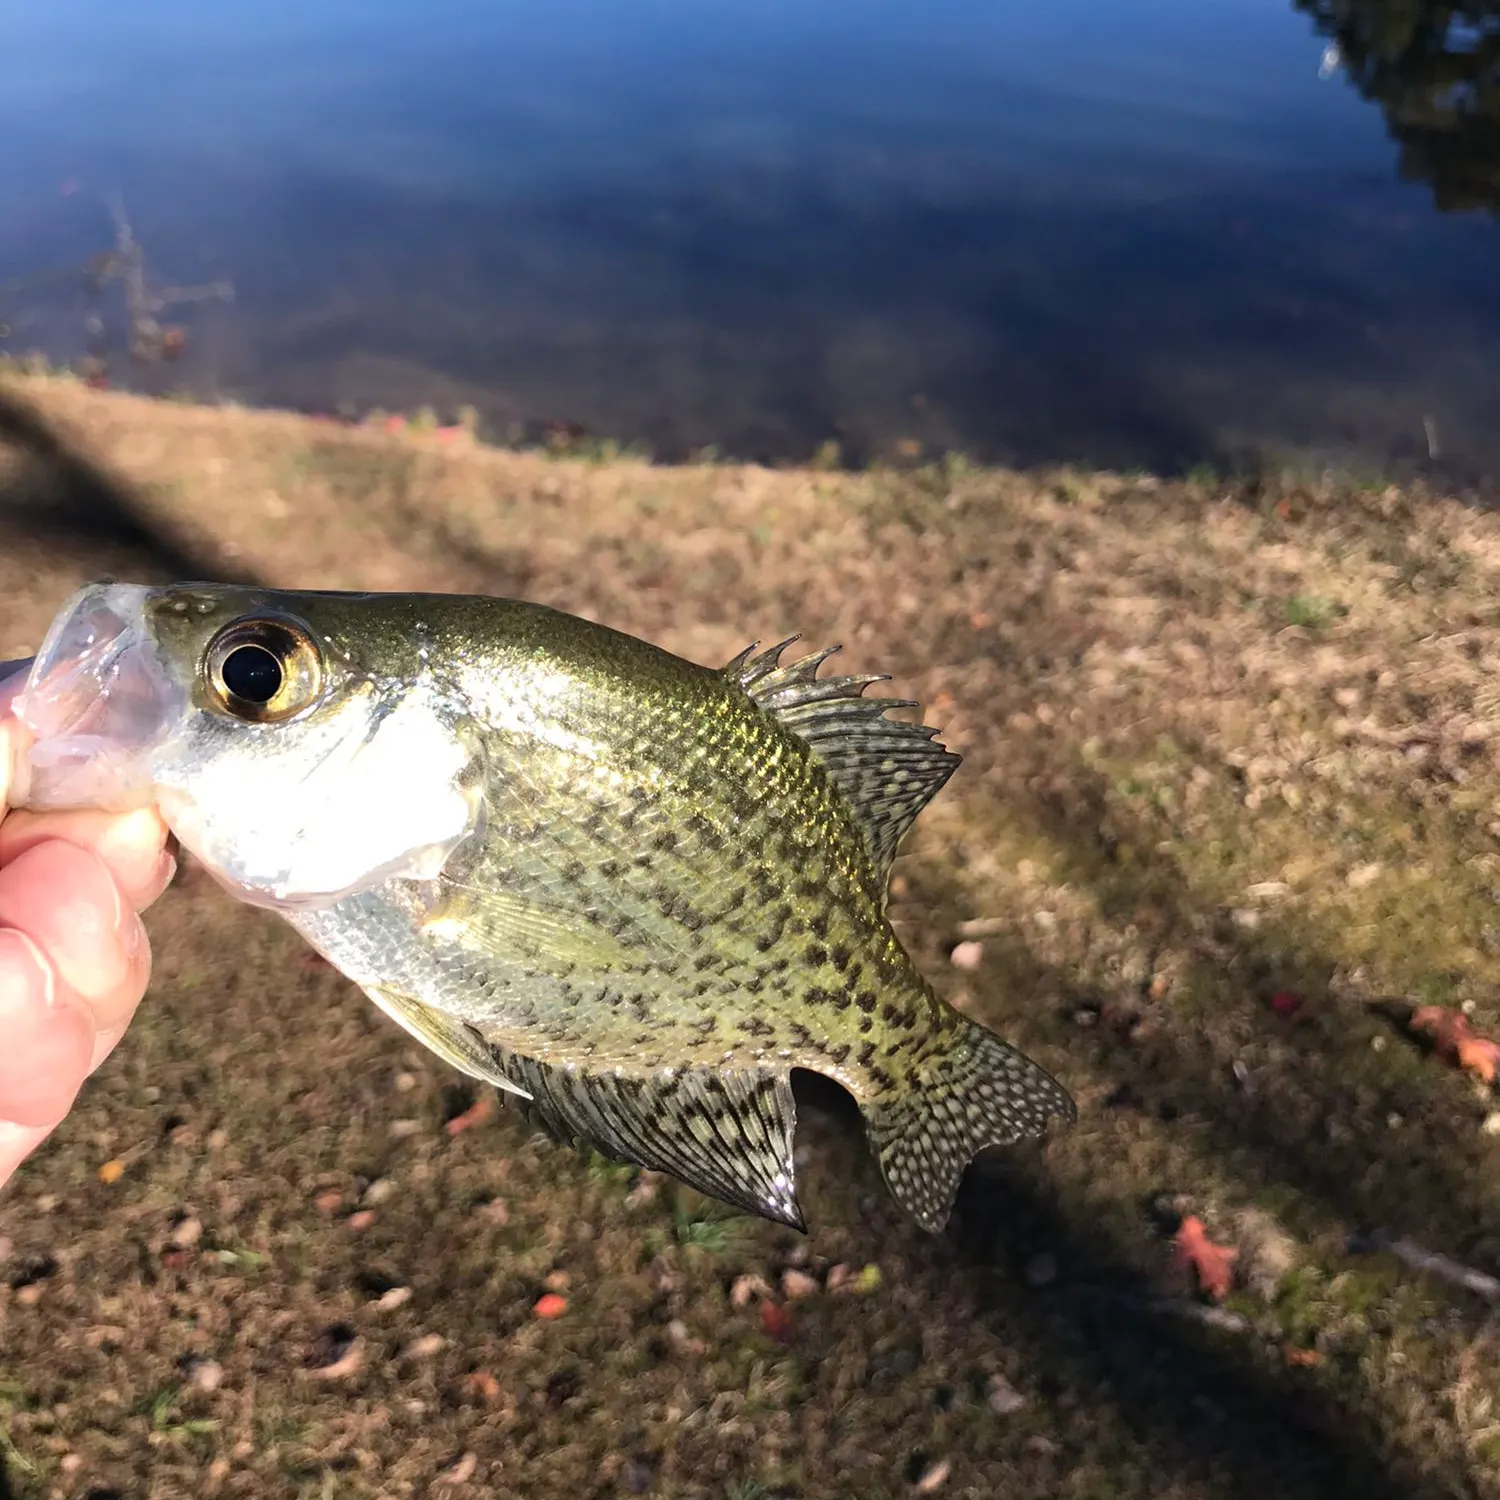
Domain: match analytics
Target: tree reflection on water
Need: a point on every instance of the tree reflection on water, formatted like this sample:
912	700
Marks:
1434	70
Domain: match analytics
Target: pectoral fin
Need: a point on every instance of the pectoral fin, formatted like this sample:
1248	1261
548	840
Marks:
450	1039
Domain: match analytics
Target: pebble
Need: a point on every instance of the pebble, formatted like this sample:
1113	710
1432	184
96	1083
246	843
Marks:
967	955
424	1347
186	1233
393	1297
206	1374
747	1288
405	1082
934	1476
798	1284
837	1277
378	1191
1003	1398
1041	1270
47	1202
359	1221
218	1139
1491	1124
557	1281
1363	875
400	1129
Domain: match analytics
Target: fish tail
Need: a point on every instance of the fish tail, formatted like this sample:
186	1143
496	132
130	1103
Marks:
932	1120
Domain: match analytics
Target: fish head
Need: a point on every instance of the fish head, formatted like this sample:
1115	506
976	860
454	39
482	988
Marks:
299	745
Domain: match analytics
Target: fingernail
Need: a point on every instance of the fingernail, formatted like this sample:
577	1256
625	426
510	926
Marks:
24	975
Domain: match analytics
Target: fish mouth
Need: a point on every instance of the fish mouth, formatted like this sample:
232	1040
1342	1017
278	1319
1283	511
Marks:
97	702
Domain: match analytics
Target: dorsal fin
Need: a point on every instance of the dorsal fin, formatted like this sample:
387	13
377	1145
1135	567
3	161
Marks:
888	770
725	1131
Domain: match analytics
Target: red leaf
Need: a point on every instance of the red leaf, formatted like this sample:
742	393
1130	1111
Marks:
776	1321
550	1306
1213	1264
1286	1003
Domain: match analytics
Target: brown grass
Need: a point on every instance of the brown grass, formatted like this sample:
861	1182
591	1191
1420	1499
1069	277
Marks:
1218	745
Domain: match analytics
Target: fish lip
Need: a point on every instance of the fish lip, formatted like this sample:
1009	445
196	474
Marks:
96	703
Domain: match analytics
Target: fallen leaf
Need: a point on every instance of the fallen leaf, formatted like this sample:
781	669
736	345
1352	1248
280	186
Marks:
747	1288
776	1321
476	1114
360	1220
1213	1264
798	1284
1455	1041
550	1306
112	1170
1286	1003
1300	1358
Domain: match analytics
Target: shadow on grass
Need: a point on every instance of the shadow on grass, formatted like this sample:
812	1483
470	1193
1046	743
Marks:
51	493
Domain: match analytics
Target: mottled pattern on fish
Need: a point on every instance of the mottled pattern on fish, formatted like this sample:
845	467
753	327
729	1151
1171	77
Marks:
670	891
634	890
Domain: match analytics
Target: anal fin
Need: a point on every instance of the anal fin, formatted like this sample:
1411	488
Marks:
726	1133
450	1039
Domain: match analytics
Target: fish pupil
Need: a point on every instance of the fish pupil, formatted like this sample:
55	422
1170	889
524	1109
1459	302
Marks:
252	674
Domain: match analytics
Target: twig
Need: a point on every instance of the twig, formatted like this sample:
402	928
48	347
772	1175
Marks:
1444	1266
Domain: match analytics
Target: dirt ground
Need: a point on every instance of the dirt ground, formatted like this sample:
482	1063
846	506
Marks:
1228	811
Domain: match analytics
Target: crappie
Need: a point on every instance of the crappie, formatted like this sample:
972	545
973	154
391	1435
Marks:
632	889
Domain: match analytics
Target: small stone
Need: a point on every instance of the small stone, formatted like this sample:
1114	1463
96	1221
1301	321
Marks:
1363	875
405	1082
359	1221
186	1233
641	1194
1395	1120
1041	1270
798	1284
1491	1124
1378	1043
378	1191
70	1463
1086	1016
557	1281
400	1129
31	1294
328	1202
747	1288
424	1347
206	1374
934	1476
967	955
1158	987
837	1277
218	1139
47	1202
1003	1398
393	1297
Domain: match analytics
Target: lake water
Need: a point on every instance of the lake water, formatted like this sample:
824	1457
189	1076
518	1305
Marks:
1120	232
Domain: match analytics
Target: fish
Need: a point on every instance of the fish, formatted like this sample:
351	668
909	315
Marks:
634	891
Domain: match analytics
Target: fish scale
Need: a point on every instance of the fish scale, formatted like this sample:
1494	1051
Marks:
666	889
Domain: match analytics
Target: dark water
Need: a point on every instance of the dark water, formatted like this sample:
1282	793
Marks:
1124	232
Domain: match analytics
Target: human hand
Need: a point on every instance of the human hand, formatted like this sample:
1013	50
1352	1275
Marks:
74	960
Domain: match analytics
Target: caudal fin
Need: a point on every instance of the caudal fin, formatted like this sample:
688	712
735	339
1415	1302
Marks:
980	1092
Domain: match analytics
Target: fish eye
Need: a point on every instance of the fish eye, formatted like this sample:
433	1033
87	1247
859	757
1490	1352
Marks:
262	670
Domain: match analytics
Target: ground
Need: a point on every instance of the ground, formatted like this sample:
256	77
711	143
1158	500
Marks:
1228	811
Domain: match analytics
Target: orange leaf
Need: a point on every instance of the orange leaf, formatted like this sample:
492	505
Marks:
1454	1040
1479	1055
1213	1264
476	1114
550	1306
1297	1356
484	1385
112	1170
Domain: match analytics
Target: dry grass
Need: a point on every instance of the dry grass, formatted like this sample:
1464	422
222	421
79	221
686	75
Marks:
1217	746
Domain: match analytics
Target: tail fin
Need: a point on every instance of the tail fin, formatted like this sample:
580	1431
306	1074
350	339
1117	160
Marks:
979	1092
